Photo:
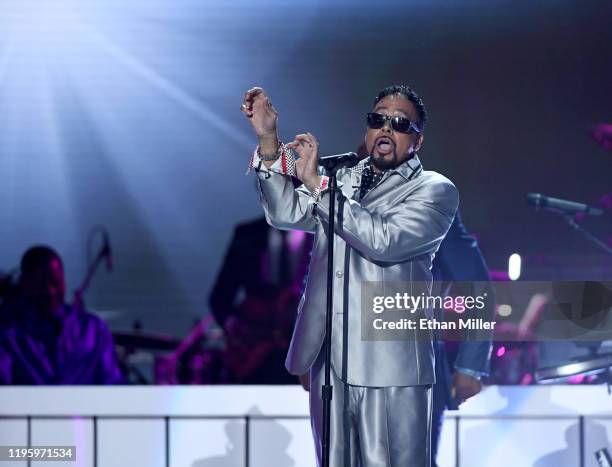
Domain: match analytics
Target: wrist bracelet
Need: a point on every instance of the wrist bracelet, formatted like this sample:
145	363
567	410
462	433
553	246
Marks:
271	157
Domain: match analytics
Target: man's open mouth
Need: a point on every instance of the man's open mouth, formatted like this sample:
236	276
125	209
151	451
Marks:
384	145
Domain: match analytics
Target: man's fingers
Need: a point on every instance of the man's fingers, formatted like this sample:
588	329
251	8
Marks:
297	142
255	99
251	95
306	138
245	110
297	145
313	139
300	149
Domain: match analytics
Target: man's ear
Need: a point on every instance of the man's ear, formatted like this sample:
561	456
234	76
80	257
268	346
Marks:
419	142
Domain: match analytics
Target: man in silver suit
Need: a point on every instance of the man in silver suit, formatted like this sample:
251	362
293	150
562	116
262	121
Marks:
391	218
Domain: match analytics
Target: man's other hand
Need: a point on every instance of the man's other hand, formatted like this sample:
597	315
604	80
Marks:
464	386
306	167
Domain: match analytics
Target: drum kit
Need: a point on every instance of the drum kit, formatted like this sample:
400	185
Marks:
155	358
208	355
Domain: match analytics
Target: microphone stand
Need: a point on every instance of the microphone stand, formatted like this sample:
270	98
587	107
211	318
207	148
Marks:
573	224
327	389
331	164
91	270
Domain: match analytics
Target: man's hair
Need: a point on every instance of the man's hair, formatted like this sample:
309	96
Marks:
38	256
409	94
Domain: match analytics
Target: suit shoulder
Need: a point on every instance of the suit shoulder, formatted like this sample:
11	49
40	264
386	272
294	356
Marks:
430	177
437	185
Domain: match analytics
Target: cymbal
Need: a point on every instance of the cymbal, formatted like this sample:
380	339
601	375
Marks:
575	367
602	134
145	341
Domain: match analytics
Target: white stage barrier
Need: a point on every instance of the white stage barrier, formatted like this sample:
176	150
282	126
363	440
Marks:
268	426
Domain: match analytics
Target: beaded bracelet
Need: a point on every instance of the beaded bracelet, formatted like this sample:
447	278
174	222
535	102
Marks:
271	157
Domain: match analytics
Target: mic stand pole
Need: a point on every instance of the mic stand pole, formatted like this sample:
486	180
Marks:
91	270
570	220
327	389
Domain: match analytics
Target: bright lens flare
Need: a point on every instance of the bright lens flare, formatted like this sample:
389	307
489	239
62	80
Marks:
504	310
38	26
514	266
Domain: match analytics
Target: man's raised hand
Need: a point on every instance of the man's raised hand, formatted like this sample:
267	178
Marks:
263	116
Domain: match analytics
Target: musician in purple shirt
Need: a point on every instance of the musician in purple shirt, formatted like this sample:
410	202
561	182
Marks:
43	340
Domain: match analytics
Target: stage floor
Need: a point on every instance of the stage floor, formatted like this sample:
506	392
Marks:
268	426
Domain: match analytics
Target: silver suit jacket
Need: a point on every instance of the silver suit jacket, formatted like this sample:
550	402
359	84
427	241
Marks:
391	234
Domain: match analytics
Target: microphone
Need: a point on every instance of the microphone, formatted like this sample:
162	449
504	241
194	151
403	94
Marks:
107	252
348	159
569	207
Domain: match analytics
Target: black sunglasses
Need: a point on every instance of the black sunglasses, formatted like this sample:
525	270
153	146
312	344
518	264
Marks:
400	124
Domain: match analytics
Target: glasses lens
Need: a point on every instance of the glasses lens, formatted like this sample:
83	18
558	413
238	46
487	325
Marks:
375	120
403	125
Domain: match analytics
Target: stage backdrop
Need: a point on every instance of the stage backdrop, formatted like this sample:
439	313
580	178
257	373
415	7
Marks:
126	114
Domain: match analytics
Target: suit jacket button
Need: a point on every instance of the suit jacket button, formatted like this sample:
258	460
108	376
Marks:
339	274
